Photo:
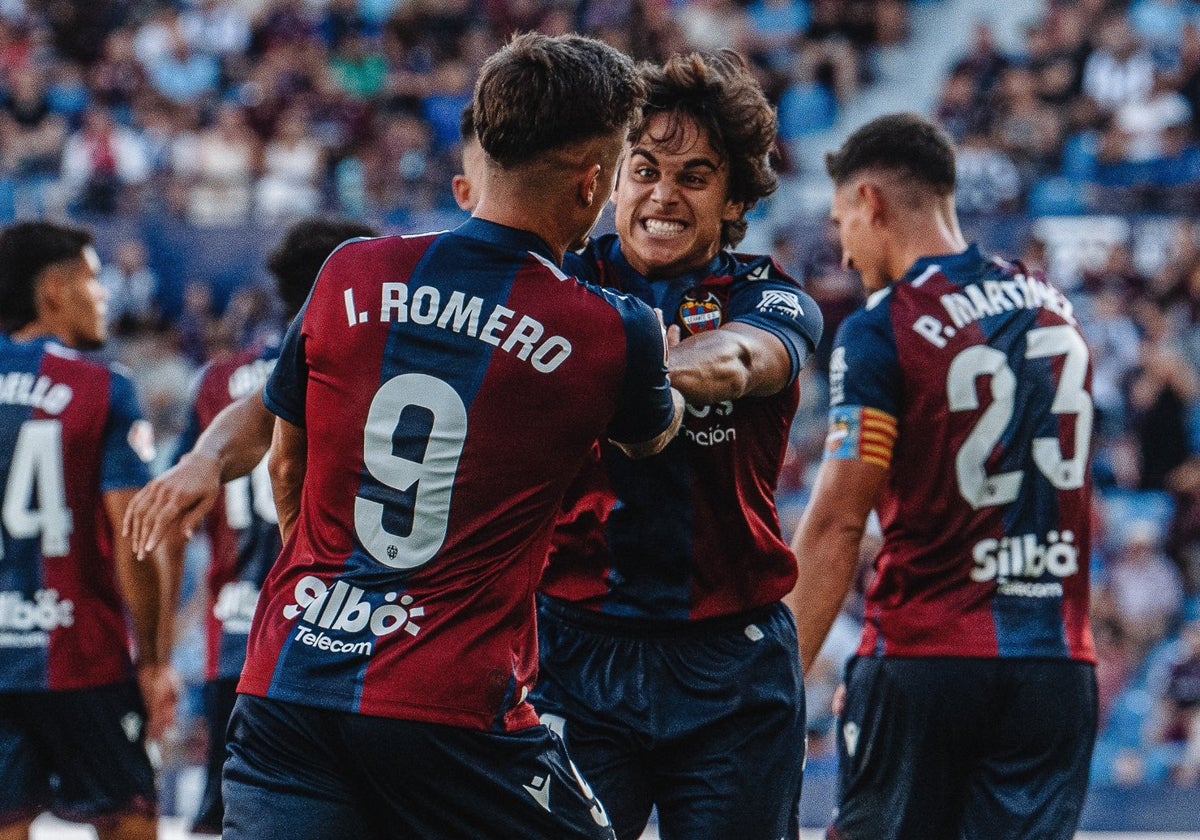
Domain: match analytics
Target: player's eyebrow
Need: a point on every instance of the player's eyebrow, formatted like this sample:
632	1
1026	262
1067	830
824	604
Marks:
693	163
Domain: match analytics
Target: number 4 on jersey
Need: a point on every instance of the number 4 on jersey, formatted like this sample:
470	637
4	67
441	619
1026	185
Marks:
1070	397
37	462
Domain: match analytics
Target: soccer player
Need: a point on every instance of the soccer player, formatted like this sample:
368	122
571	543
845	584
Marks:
244	531
434	399
669	662
73	448
960	410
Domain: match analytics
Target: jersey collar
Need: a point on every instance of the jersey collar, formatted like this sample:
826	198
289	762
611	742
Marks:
947	262
505	237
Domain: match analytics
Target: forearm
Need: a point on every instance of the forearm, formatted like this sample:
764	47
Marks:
141	587
827	555
287	465
238	437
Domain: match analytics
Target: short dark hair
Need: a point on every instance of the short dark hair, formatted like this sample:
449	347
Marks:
298	259
904	143
26	250
540	93
466	124
719	92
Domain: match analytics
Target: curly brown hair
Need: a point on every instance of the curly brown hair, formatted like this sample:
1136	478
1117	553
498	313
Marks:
717	91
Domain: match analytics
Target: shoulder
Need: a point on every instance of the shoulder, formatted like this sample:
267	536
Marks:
367	251
873	318
761	268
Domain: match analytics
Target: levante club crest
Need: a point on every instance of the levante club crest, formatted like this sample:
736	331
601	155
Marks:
700	315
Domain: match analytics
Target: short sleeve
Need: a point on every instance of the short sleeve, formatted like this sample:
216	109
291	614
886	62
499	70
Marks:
865	390
644	408
287	387
779	306
128	440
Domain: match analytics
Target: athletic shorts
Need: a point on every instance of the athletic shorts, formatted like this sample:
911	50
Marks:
303	773
703	720
978	749
219	697
80	754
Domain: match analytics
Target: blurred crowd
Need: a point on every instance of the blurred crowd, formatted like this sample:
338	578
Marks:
227	110
1099	112
218	113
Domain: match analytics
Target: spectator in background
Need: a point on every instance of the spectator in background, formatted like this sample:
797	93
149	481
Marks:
984	63
1145	586
1155	127
218	28
358	67
1030	131
217	166
292	172
132	288
1161	392
118	77
1113	338
1120	70
961	110
100	161
1175	725
184	76
988	180
31	136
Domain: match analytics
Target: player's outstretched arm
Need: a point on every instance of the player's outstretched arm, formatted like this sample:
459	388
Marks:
737	360
289	460
150	589
659	442
826	547
179	499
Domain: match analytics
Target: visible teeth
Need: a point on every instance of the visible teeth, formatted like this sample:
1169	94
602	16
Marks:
658	226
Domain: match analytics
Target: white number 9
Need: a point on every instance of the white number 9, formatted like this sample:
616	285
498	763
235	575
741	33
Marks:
433	476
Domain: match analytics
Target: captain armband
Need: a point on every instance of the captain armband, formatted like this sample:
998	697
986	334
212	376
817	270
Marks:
858	433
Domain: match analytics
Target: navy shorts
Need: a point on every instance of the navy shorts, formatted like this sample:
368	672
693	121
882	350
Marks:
219	697
80	754
313	774
943	749
704	721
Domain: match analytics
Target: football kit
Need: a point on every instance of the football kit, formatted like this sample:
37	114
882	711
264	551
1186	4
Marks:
668	662
450	387
973	694
70	431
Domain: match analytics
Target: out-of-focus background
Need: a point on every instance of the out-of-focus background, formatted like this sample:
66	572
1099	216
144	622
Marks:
188	134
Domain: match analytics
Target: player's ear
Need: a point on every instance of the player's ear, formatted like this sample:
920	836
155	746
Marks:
461	187
49	290
589	184
876	201
733	211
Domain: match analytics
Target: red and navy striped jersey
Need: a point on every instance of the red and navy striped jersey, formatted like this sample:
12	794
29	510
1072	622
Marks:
450	386
243	529
691	533
70	431
971	377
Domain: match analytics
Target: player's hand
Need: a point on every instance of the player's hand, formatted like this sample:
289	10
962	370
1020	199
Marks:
179	499
674	336
839	700
160	687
